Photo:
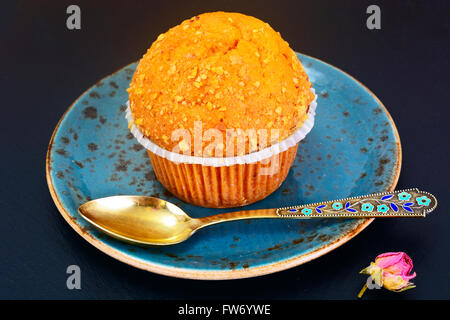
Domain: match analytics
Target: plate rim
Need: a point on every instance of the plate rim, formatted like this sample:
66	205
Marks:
200	274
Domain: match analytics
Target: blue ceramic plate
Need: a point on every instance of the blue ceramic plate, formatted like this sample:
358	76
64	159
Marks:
353	149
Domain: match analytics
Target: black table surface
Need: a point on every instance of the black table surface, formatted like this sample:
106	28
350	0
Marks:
44	67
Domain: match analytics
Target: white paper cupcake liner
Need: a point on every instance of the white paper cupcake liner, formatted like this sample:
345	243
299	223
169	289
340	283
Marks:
253	157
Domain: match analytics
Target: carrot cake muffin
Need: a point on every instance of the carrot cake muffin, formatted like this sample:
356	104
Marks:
218	87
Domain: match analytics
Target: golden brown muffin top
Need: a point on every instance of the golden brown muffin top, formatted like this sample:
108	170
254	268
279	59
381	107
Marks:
227	70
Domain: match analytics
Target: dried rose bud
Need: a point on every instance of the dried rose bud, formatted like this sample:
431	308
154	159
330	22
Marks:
391	270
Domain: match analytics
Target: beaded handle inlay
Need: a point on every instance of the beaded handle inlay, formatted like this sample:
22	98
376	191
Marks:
402	203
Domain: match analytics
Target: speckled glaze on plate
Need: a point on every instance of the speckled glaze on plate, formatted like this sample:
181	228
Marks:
353	149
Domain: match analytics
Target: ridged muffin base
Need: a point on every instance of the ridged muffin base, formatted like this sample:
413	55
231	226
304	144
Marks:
225	186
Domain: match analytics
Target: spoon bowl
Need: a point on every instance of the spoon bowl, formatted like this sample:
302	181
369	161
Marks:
139	219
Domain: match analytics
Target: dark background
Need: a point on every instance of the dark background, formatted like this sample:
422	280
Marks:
44	67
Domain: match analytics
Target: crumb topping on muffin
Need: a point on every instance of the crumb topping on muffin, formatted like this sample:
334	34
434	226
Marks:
227	70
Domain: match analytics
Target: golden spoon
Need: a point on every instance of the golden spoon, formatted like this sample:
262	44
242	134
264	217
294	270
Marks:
148	220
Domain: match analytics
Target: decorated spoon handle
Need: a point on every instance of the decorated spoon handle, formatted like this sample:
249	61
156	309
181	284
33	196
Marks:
401	203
